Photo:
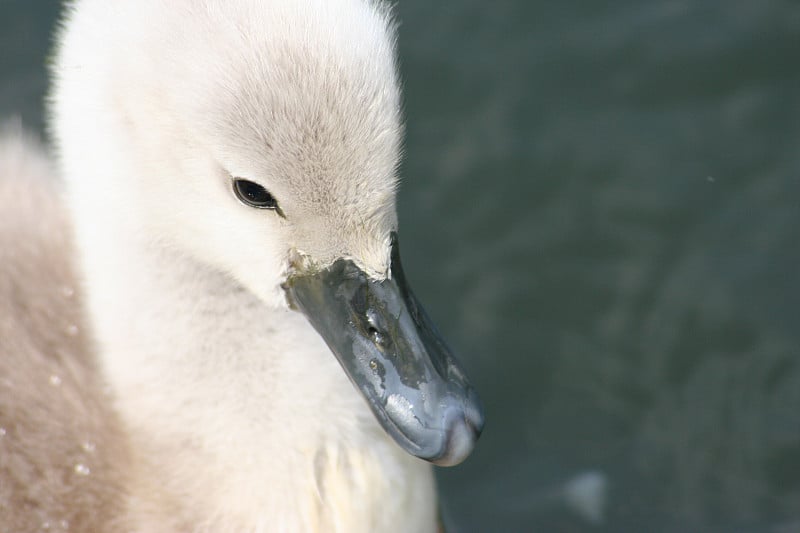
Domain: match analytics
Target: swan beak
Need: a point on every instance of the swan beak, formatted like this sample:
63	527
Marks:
394	356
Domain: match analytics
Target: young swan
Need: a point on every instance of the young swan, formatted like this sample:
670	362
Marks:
230	168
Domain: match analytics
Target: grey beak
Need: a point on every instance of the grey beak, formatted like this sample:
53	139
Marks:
394	356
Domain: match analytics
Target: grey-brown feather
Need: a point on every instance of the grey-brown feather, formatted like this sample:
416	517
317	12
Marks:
61	451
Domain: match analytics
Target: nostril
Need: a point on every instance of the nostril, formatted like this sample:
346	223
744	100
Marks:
375	335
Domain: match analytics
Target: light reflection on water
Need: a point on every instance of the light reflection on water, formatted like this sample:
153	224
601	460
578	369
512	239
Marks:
601	209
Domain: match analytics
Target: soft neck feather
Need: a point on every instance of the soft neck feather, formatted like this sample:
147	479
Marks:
239	416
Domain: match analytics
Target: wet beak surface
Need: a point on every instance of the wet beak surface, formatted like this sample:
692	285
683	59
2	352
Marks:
394	356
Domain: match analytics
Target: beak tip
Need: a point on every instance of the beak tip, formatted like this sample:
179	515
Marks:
462	430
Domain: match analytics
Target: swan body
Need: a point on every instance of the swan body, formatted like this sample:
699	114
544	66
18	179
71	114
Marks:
60	440
221	407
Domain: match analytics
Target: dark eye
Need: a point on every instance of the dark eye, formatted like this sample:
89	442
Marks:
254	195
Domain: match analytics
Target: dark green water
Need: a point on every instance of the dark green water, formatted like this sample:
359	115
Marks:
601	209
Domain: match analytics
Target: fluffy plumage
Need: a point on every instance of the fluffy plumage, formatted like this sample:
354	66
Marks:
236	415
60	444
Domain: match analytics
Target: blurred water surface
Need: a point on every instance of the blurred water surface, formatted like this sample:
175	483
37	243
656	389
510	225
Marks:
601	209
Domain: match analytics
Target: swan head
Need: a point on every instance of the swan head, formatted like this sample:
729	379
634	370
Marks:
263	142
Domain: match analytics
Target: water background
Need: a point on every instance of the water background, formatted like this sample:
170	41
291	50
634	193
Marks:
601	210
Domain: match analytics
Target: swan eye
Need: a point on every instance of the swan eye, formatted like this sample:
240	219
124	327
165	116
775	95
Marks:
254	195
